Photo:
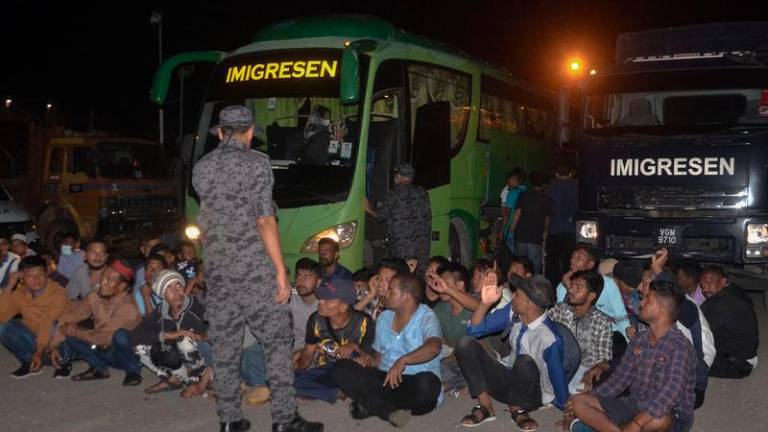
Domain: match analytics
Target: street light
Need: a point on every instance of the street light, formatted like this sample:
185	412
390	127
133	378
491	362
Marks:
574	66
157	19
8	102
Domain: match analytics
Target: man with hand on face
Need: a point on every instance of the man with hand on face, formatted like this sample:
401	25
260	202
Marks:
87	277
375	301
115	314
335	331
40	302
402	376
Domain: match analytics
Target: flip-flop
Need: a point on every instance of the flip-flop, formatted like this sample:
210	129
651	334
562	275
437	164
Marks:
516	418
169	387
475	419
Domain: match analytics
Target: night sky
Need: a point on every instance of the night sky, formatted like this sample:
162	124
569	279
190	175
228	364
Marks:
100	58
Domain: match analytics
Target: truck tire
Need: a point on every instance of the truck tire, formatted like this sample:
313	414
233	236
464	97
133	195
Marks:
55	231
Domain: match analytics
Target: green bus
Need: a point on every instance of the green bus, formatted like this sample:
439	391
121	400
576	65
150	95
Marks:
390	97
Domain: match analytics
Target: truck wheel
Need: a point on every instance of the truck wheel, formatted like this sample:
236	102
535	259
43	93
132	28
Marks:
55	232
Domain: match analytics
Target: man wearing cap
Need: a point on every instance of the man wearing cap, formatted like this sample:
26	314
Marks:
174	328
20	245
533	374
335	331
408	216
244	270
115	314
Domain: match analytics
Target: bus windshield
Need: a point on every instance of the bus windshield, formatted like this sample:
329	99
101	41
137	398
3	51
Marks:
310	136
676	102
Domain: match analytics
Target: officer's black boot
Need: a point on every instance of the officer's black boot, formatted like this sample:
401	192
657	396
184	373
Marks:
241	425
298	424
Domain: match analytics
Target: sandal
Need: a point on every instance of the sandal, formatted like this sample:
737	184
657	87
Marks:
523	421
162	387
477	416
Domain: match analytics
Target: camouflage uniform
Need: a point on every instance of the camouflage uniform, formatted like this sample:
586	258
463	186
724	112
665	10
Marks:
408	217
235	188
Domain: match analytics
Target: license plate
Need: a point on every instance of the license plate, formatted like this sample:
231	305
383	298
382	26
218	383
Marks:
669	236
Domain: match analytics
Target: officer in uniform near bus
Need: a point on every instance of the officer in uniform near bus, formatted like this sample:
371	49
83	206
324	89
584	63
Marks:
244	271
408	216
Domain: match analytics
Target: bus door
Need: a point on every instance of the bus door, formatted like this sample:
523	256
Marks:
386	138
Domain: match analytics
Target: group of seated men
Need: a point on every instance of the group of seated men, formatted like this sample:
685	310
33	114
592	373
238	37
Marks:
630	348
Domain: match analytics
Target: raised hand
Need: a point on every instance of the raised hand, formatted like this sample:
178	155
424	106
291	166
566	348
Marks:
491	292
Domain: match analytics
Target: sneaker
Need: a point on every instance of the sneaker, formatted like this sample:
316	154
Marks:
358	412
132	379
399	418
258	396
63	371
298	424
24	371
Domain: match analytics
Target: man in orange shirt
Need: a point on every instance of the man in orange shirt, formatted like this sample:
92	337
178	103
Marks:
40	302
115	313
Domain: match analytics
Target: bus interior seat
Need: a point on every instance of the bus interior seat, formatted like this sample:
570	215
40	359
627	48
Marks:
283	142
640	114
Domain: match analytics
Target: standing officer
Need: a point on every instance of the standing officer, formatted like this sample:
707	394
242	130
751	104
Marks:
408	217
243	266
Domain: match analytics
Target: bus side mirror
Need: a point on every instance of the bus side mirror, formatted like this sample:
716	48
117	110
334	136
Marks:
350	76
187	146
350	69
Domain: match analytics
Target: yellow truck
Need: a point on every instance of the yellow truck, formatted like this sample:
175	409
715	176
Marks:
113	187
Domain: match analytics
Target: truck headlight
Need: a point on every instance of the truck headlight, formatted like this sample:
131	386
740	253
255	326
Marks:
757	233
344	234
586	231
192	232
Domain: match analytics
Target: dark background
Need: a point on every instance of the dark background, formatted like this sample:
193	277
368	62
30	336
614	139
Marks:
95	62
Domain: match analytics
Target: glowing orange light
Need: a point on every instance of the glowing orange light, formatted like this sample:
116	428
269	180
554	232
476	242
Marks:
574	66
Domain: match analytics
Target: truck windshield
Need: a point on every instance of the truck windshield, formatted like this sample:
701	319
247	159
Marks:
310	136
122	160
677	102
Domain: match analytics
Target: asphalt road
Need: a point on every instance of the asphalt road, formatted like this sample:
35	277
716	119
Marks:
41	404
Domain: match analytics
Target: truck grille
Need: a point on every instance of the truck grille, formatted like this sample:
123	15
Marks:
694	197
140	207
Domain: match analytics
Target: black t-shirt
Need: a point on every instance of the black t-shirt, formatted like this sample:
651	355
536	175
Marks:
360	329
535	207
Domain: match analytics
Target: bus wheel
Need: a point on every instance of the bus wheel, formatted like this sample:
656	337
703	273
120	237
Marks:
458	242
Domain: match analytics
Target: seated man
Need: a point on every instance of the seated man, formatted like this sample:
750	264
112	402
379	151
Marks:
40	302
115	314
145	298
167	340
610	302
454	318
402	377
335	331
303	304
659	369
328	255
378	286
533	374
732	319
360	280
86	278
687	275
591	327
20	245
70	257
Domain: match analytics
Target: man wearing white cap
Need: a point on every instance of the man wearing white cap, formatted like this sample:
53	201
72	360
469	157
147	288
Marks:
20	246
166	341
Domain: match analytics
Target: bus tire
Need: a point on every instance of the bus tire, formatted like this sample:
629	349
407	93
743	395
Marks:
459	249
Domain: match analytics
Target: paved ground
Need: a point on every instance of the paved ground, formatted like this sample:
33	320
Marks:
41	404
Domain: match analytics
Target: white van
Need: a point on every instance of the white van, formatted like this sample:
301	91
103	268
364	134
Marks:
13	218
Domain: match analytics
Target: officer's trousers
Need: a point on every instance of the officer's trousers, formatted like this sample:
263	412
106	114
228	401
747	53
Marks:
233	303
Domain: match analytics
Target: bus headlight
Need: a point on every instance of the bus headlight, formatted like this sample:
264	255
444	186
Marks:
344	234
757	233
586	231
192	232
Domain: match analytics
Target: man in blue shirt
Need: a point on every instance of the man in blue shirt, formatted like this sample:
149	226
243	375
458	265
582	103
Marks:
402	377
509	194
71	257
533	374
328	255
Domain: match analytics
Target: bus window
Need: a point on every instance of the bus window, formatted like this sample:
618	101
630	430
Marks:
497	113
428	84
